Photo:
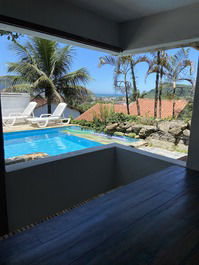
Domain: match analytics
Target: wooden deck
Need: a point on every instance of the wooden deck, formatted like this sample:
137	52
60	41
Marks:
153	221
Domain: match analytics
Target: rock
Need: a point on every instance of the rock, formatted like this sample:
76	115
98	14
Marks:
129	130
178	123
146	131
186	133
24	158
162	136
136	128
112	127
165	126
185	137
175	131
161	144
124	125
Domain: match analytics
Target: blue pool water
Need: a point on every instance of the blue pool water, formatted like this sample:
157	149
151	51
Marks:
51	141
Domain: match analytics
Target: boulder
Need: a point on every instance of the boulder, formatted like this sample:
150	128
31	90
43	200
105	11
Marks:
162	136
146	131
165	126
161	144
175	131
111	127
136	128
24	158
186	133
185	137
178	123
129	130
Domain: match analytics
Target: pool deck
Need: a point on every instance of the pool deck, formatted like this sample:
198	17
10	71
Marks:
27	127
141	144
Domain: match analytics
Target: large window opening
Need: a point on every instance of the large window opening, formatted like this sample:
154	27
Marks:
57	98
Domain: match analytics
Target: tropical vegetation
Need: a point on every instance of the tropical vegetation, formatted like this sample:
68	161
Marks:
124	71
45	68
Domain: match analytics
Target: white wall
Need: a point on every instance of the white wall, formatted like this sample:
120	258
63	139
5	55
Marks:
68	111
13	102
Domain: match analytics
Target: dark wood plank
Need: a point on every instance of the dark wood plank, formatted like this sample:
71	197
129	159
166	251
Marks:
151	221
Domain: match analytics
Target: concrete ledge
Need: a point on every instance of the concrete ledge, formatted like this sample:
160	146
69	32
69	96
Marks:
39	188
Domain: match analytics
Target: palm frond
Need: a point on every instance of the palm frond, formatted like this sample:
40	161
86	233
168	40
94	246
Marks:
77	77
62	61
108	60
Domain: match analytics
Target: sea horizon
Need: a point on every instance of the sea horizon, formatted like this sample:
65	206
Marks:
100	95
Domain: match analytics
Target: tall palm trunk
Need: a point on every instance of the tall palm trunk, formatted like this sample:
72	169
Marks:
160	93
126	95
135	91
173	96
48	96
157	86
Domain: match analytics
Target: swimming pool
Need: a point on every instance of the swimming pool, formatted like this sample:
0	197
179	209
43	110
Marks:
84	131
52	141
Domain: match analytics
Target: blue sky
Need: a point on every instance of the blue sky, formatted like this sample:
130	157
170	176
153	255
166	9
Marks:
102	77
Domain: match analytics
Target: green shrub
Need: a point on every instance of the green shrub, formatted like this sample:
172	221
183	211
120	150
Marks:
118	133
120	117
132	135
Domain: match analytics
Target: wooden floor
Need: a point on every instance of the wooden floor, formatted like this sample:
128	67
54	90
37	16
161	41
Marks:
154	220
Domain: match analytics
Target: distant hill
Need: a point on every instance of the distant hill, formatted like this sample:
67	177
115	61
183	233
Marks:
182	91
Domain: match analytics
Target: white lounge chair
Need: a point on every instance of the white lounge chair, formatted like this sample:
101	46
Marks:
56	117
20	117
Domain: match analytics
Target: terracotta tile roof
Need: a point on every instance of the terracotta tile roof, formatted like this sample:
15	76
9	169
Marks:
146	109
40	101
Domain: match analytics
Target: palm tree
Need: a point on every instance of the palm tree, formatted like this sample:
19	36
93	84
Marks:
134	60
122	67
176	71
157	66
45	67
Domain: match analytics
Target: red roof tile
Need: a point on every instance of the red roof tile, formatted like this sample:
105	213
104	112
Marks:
146	109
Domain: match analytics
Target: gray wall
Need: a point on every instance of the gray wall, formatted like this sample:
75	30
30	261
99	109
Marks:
40	188
13	102
68	111
171	28
63	16
162	30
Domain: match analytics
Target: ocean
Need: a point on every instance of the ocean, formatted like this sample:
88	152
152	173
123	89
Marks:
101	95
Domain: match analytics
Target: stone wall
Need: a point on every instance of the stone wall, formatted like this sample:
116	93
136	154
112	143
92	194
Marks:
165	134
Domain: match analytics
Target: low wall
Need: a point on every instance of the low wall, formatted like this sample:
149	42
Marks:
68	111
13	102
37	189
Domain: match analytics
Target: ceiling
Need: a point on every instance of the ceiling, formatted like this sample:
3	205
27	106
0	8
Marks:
124	10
